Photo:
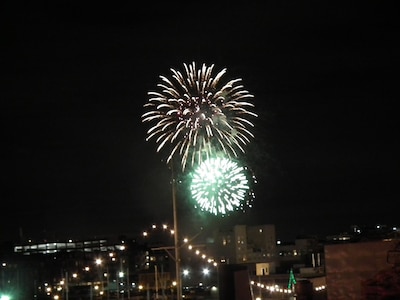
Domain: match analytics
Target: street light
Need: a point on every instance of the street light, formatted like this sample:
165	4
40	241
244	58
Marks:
106	274
99	263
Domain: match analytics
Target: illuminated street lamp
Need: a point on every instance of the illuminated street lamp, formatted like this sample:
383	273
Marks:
174	285
186	276
99	263
206	271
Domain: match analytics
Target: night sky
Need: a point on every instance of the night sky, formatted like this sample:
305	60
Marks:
75	162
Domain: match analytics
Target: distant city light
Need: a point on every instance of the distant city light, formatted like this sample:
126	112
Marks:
206	271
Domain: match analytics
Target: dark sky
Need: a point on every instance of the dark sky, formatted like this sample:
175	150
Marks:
75	78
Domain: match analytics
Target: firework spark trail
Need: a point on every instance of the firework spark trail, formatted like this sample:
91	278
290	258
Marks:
220	186
198	116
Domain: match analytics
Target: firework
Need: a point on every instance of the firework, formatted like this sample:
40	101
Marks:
220	186
194	115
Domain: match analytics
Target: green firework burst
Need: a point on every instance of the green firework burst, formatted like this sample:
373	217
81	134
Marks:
221	185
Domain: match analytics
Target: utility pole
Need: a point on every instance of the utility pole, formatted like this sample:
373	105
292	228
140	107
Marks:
176	242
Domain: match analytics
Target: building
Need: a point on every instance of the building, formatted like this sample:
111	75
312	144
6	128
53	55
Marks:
363	270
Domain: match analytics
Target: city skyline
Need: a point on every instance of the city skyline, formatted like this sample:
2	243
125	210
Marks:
74	158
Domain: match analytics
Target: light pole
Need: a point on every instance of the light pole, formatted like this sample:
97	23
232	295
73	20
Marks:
108	283
176	238
100	274
66	286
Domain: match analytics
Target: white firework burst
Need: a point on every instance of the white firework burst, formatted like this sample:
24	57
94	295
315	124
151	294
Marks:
194	115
